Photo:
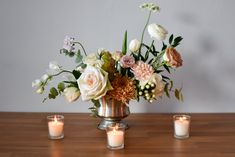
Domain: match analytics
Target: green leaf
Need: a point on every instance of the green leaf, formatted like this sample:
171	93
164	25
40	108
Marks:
71	54
163	46
165	77
83	66
61	86
76	74
96	103
79	57
171	85
166	90
171	39
181	97
50	96
177	94
146	56
63	51
159	71
167	68
53	91
177	41
124	44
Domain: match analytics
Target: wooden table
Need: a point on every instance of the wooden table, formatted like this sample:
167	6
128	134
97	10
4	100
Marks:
25	135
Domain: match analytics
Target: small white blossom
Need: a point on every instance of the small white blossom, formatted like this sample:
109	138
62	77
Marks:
37	83
40	90
53	65
45	77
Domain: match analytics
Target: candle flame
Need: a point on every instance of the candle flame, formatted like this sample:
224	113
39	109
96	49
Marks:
115	128
55	119
182	118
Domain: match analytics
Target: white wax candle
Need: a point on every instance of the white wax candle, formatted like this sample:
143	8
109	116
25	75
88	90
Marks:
115	138
55	127
181	126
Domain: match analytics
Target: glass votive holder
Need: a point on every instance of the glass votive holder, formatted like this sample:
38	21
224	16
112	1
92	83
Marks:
55	126
181	126
115	136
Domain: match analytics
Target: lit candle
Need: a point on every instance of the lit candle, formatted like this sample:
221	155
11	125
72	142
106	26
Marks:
181	125
115	137
55	127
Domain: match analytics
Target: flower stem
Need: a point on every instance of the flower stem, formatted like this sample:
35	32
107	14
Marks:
142	36
51	76
63	71
81	47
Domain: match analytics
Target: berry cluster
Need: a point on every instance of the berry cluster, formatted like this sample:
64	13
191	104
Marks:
147	91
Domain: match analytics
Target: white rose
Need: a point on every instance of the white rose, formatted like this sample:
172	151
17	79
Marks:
92	60
157	31
93	83
71	94
134	45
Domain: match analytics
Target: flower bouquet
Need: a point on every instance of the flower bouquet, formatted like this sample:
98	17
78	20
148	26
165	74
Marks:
134	72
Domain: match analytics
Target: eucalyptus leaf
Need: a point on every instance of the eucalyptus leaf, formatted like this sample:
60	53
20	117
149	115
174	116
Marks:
61	86
50	96
79	57
53	91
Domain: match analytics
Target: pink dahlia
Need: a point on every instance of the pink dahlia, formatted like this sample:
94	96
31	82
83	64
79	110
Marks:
142	71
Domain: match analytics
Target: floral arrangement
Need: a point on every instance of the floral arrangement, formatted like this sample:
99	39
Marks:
134	72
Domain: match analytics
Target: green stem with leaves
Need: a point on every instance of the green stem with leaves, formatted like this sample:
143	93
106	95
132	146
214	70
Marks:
81	47
51	76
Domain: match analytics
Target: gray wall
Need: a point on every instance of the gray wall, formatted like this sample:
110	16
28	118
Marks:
32	32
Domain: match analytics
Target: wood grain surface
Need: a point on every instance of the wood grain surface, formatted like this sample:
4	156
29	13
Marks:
26	135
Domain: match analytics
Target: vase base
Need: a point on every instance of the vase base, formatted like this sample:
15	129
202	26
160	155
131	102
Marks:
104	123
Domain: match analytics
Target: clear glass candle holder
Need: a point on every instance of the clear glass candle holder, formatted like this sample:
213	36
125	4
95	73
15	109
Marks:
55	126
115	136
181	126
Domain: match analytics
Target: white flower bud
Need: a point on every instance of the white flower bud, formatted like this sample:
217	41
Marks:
40	90
53	65
134	45
45	77
157	31
37	83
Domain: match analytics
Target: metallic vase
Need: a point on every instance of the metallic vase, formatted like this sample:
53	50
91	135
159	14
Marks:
112	111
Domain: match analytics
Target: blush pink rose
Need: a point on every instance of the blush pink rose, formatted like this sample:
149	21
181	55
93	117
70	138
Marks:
127	61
